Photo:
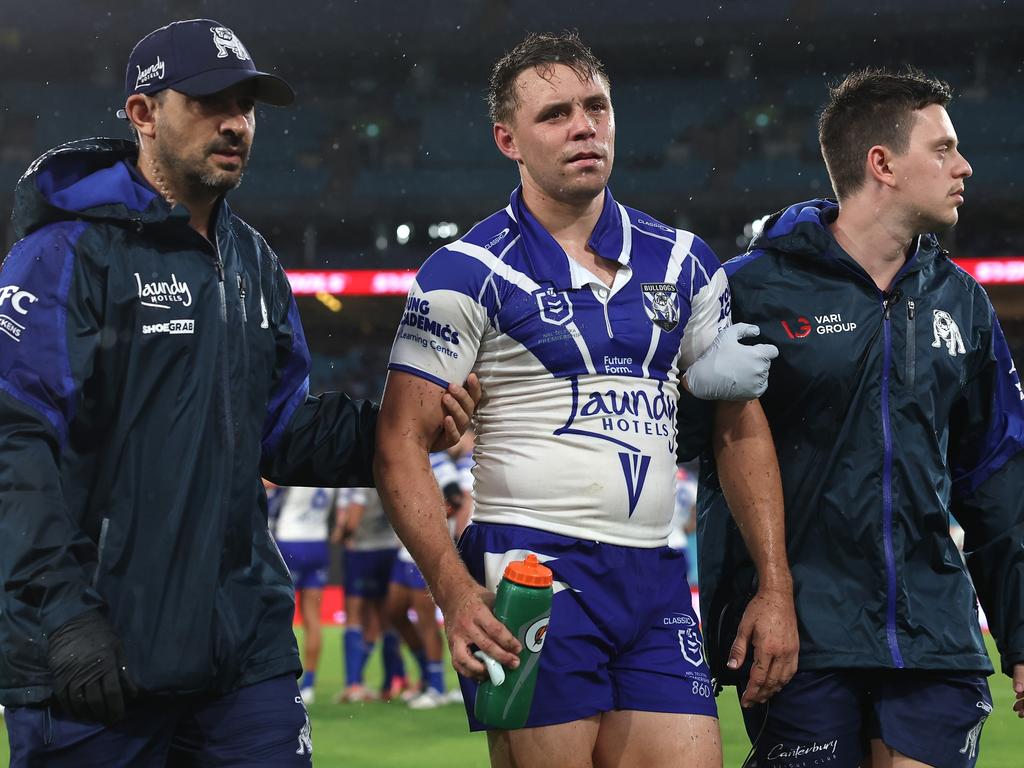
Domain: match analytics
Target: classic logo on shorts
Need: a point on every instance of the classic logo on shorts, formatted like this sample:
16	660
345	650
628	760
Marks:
690	642
534	638
555	306
946	331
661	303
225	41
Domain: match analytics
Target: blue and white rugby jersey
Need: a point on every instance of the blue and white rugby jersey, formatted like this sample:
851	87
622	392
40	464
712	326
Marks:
576	432
304	513
374	531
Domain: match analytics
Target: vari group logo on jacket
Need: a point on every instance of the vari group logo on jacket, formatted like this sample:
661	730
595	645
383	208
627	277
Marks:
823	325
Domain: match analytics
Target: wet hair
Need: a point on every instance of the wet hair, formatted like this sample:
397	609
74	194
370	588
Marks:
542	52
872	106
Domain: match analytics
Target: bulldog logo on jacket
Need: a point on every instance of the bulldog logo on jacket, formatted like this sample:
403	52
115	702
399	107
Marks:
945	331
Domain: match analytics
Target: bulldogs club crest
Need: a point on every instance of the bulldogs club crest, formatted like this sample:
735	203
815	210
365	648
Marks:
225	41
661	303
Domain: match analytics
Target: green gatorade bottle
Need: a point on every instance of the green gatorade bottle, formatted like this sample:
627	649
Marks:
523	605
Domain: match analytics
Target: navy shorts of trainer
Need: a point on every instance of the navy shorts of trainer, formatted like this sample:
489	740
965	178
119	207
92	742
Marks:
827	718
264	725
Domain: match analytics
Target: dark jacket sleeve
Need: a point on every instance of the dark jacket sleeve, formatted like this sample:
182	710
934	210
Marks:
46	561
987	463
324	440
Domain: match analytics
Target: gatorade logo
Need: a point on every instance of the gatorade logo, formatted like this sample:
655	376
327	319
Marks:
534	640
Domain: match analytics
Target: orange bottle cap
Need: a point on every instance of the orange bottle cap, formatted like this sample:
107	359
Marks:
529	572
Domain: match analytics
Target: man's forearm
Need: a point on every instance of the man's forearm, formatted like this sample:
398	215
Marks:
749	474
413	502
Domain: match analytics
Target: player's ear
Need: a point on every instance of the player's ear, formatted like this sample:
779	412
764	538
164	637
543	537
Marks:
506	141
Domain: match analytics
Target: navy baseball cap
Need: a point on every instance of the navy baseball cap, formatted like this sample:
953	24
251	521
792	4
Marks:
197	57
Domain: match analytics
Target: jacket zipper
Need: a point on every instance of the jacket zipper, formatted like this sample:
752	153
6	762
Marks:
911	343
890	555
225	357
241	295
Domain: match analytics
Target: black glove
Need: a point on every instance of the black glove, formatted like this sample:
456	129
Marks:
90	679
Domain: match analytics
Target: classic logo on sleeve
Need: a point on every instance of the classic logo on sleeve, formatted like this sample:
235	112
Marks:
18	301
661	303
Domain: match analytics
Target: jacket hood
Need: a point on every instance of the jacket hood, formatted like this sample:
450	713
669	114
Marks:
802	230
87	179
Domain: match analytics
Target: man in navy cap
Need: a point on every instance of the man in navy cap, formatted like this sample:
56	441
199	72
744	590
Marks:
152	367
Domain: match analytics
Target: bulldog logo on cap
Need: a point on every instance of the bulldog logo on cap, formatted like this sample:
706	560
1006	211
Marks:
225	41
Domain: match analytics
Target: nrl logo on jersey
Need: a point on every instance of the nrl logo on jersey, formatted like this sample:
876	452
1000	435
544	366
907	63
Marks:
555	306
661	303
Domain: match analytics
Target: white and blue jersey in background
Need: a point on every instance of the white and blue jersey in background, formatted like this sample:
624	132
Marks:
374	530
301	533
445	474
577	434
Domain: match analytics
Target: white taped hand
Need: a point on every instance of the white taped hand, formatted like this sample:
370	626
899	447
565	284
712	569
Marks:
729	370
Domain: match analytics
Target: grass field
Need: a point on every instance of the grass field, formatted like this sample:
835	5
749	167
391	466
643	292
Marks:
379	735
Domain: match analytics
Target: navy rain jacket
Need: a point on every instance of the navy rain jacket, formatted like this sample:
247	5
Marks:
147	378
889	411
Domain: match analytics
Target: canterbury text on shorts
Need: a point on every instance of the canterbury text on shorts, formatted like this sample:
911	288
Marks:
367	572
828	717
307	562
623	634
264	725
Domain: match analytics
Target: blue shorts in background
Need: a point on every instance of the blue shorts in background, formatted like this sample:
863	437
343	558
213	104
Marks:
307	562
367	572
408	575
623	634
828	717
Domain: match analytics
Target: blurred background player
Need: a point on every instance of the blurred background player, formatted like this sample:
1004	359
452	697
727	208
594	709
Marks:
409	590
684	519
462	455
300	529
370	549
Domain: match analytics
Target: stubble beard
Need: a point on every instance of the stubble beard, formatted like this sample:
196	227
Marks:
194	174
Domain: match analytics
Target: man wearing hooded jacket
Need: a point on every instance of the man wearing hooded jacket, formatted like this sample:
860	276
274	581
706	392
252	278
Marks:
893	403
152	367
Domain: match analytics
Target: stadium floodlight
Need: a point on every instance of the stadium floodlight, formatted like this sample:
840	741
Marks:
402	233
443	230
751	229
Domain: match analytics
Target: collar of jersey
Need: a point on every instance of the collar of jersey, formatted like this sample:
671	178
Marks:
548	262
